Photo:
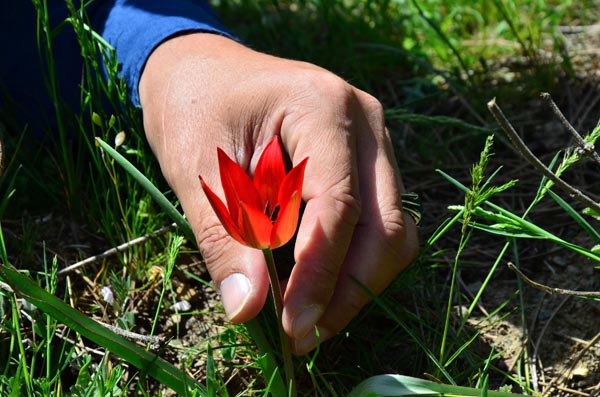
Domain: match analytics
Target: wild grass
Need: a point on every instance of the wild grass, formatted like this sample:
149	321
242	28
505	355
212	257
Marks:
434	64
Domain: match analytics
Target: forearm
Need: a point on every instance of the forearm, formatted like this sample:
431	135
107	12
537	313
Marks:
135	28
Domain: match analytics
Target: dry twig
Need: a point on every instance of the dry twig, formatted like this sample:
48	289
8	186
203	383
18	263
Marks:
553	290
530	157
585	148
118	249
154	341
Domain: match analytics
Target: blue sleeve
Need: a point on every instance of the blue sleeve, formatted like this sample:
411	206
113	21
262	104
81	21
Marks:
136	27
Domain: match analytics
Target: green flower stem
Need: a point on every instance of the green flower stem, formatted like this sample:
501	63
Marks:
286	352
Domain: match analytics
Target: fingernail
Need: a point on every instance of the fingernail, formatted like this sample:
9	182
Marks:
305	322
309	342
235	290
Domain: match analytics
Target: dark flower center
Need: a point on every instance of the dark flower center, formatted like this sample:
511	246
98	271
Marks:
274	213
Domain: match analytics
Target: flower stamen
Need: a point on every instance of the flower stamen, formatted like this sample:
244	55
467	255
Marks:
275	212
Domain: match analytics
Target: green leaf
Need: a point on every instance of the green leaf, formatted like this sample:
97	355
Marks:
97	119
267	362
111	121
400	385
585	225
156	194
83	377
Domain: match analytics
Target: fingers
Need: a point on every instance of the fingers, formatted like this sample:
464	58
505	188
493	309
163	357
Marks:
331	190
383	241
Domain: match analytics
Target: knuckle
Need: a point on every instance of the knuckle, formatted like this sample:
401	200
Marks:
213	242
347	205
393	230
373	110
325	276
356	299
393	222
372	106
327	82
320	84
399	237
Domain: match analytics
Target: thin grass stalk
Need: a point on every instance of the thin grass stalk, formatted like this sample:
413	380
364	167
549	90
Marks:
49	322
288	364
526	49
394	316
112	172
444	38
156	194
174	246
441	231
523	316
16	324
461	246
44	43
484	284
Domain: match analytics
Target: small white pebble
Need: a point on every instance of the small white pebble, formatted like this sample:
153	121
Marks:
107	295
181	306
176	318
28	305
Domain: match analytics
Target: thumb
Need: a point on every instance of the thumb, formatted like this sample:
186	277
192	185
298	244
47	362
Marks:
238	272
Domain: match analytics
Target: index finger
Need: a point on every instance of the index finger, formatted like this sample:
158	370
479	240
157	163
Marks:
331	190
384	239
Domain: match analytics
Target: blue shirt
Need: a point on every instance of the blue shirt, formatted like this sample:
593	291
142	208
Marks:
136	27
133	27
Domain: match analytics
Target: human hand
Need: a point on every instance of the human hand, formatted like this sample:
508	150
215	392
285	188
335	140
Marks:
202	91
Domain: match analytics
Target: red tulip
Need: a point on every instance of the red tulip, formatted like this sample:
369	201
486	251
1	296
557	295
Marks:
261	212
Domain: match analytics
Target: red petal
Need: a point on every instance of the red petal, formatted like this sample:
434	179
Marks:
286	223
290	197
292	183
269	173
255	226
222	212
237	185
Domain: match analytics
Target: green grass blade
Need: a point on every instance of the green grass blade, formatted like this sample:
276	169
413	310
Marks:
446	121
394	316
443	37
147	362
462	348
156	194
452	180
515	226
536	230
267	360
400	385
585	225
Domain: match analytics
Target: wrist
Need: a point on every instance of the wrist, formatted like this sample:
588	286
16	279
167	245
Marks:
195	49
